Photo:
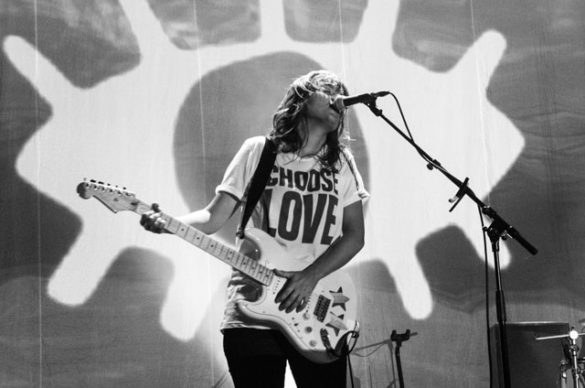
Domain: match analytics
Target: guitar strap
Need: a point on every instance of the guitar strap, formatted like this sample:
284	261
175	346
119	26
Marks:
258	183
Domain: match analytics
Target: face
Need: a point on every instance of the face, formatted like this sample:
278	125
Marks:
320	110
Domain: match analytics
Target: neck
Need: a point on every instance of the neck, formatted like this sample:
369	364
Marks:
316	136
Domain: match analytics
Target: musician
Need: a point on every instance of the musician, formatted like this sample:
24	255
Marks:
312	206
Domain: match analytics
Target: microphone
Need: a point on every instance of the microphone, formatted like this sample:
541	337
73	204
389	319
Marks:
342	102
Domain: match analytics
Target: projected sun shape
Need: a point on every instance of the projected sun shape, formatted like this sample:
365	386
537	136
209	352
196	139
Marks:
144	104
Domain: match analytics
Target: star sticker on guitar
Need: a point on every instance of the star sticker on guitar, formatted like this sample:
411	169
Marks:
337	323
338	298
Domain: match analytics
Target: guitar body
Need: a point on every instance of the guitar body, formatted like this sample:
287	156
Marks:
321	332
328	320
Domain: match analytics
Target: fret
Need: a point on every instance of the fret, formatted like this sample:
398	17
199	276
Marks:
257	278
229	256
268	277
211	246
190	235
182	230
244	264
253	268
204	244
250	267
220	252
265	273
238	260
197	239
259	272
215	248
173	224
169	224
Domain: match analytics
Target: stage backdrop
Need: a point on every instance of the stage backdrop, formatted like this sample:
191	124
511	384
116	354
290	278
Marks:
156	96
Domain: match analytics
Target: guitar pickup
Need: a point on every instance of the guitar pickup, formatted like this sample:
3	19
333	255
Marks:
321	308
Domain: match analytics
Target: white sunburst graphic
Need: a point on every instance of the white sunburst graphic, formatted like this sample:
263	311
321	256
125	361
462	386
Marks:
128	138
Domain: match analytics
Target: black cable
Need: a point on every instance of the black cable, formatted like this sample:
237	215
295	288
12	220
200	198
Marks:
346	350
430	162
350	370
403	118
349	341
487	295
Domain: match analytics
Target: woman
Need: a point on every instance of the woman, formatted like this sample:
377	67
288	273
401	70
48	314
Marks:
312	206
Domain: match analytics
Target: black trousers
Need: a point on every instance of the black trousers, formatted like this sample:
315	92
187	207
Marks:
257	359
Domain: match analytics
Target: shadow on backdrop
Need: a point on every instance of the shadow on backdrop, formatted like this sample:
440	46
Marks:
539	85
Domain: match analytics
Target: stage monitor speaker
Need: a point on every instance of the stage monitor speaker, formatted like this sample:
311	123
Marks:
533	364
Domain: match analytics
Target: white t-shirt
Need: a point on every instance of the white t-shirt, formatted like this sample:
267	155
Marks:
305	210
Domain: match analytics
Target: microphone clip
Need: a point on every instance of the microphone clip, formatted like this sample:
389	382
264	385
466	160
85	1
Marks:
459	195
370	98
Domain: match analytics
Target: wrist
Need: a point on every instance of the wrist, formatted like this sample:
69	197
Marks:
313	272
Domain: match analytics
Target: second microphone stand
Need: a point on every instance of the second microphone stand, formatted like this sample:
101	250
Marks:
573	350
399	339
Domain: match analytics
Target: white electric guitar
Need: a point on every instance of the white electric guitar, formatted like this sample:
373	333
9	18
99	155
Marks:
323	331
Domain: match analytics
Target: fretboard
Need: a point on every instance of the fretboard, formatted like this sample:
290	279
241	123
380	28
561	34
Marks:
228	255
217	249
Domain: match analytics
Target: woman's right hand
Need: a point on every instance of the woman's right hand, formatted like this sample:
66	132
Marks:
152	220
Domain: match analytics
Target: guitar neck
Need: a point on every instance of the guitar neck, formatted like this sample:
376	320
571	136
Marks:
223	252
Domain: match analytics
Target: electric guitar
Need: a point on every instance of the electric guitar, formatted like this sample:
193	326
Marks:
323	331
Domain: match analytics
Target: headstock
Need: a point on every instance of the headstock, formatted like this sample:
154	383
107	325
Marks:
114	198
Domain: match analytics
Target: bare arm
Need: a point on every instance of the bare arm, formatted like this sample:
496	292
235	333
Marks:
208	220
211	218
301	284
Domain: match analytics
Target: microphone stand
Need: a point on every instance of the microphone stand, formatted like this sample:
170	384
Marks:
499	229
399	339
573	349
